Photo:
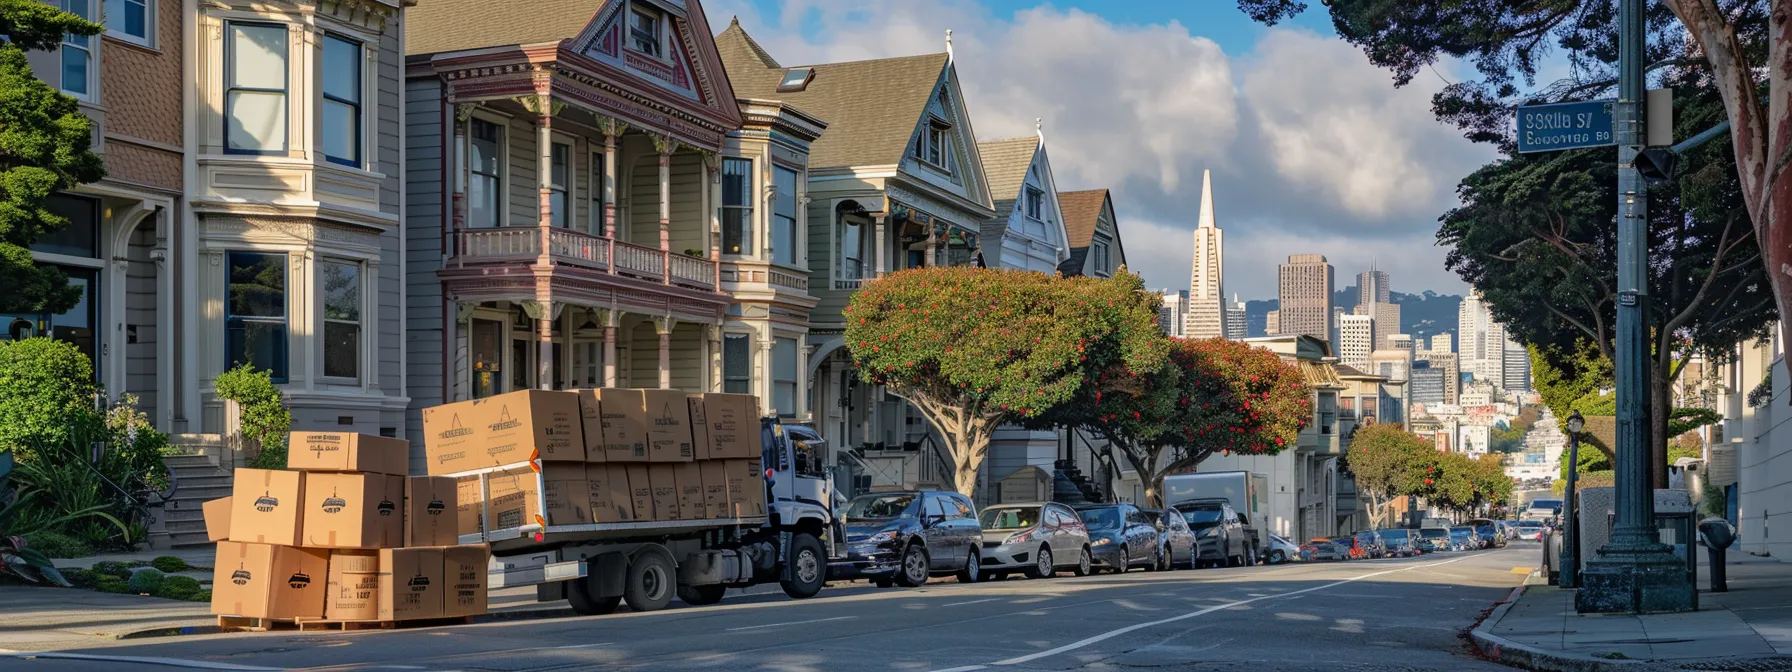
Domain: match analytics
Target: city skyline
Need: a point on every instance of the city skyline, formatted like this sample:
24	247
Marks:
1206	316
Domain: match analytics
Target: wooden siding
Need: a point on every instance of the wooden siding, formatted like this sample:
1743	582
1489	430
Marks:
140	313
425	220
687	224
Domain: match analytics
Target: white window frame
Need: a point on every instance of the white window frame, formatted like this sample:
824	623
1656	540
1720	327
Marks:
148	38
285	87
502	202
776	376
323	321
796	219
88	93
1034	199
360	103
738	337
840	227
749	193
563	188
659	30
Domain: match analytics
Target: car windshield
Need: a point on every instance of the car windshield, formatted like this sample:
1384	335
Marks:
1201	518
1009	518
1434	533
879	506
1529	523
1105	518
1547	504
1485	529
1461	532
1393	536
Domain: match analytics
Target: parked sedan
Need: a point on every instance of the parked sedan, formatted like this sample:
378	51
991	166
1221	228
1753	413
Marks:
1371	544
1176	542
1528	530
1464	539
1434	539
1491	536
1398	543
1353	547
1119	537
1320	548
1281	550
1035	539
905	537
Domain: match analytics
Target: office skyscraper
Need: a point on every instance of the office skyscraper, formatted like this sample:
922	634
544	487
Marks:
1172	316
1372	287
1356	339
1206	297
1235	325
1305	289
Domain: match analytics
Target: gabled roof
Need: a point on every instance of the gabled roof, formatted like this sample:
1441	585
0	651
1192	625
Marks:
1005	164
1081	211
872	107
454	25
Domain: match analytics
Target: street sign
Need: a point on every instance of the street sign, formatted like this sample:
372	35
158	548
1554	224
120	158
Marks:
1547	128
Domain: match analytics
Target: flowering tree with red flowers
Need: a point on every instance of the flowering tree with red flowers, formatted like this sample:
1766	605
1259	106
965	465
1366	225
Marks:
975	349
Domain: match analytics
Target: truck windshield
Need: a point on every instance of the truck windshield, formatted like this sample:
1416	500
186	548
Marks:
879	506
1393	536
1009	518
1106	518
1434	533
1201	519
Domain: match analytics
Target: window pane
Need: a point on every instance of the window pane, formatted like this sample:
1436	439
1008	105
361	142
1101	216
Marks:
737	182
342	290
134	20
342	69
519	364
559	155
486	138
737	364
342	349
257	285
341	131
482	201
784	179
257	56
257	120
784	375
784	240
261	344
737	231
849	251
557	207
78	238
74	67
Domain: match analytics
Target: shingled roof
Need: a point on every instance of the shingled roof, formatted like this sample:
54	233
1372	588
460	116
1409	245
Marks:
454	25
1082	214
872	107
1005	164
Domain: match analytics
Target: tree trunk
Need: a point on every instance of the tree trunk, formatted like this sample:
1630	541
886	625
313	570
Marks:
1660	406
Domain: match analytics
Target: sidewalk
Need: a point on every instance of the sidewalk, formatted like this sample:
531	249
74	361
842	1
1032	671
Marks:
1538	628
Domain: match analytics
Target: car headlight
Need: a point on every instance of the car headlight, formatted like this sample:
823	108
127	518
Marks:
1100	542
1019	538
1210	532
881	537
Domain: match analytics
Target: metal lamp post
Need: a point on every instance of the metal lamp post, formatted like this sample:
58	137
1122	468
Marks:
1570	571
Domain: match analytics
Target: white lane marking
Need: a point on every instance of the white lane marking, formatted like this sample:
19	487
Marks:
144	660
779	625
581	646
959	604
1140	626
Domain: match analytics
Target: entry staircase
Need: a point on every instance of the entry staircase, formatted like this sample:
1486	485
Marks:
203	468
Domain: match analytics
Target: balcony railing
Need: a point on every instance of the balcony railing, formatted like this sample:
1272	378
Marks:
520	244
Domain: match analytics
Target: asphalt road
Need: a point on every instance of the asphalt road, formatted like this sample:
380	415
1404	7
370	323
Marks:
1396	614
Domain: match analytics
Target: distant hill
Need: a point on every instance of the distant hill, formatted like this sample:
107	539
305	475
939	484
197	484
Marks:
1422	315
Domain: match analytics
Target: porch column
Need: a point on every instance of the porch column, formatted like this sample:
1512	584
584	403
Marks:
713	335
664	326
463	115
666	146
927	257
882	265
610	348
544	168
762	370
612	130
544	312
802	377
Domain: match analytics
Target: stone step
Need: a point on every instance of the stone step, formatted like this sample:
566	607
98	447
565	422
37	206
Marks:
204	492
180	539
202	479
184	515
172	526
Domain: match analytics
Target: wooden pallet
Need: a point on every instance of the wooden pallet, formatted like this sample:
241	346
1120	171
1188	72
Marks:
312	624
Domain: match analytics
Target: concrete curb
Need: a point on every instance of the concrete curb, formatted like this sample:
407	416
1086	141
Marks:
1508	652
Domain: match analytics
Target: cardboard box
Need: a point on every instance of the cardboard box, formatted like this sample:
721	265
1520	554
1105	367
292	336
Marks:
715	489
568	495
431	507
267	581
347	451
463	567
267	506
591	424
746	488
624	424
609	495
353	510
699	427
411	583
501	430
354	586
511	498
733	425
664	480
640	490
690	491
217	518
668	426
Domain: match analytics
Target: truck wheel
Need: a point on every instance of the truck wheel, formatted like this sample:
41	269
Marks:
914	569
650	584
808	567
698	596
1042	566
582	594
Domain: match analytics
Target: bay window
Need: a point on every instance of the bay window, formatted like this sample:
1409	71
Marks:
737	364
737	206
340	284
255	312
784	376
784	216
559	171
341	136
852	256
130	20
485	181
255	80
77	54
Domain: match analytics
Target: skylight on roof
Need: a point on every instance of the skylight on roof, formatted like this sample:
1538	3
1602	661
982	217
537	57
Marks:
796	79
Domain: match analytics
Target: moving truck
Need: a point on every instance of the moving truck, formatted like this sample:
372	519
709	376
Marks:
1247	493
766	518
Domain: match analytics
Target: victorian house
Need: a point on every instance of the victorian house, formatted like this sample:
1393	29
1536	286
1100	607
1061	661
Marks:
1093	234
895	182
567	185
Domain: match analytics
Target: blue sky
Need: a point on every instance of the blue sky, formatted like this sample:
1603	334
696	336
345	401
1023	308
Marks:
1311	148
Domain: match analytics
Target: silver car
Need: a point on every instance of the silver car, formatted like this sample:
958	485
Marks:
1035	539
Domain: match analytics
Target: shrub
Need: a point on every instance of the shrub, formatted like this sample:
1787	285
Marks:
146	580
112	568
111	584
178	587
265	418
201	596
80	578
58	545
170	564
46	393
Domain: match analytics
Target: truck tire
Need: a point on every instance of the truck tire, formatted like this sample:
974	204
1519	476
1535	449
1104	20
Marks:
808	567
582	594
650	583
915	568
698	596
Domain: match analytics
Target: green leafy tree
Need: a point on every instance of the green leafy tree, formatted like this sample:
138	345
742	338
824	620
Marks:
1387	462
46	394
44	148
975	349
1562	376
265	419
1735	48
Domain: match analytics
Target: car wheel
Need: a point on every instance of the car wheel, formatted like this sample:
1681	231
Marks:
1157	560
650	583
973	568
1085	565
1277	557
809	567
1124	563
1042	566
914	569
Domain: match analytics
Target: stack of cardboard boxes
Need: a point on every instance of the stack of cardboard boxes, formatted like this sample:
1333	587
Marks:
606	455
343	535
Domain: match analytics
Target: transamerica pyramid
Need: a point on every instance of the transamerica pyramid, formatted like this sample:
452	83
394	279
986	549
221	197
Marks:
1206	297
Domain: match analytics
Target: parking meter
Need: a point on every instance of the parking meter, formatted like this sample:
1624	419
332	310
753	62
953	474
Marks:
1718	534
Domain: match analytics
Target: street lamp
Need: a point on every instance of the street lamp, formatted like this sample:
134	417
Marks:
1570	572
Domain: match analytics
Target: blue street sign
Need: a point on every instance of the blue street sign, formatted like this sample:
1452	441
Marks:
1547	128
